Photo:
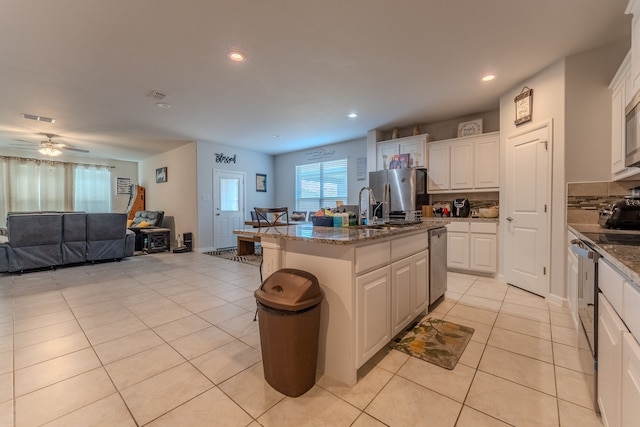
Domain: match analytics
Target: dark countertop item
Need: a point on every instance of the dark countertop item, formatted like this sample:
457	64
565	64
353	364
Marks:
620	247
337	235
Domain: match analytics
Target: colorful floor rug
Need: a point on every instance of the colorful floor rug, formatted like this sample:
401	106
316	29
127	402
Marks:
232	255
434	340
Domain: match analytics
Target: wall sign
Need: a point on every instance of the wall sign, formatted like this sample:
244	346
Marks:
123	186
524	106
261	182
221	158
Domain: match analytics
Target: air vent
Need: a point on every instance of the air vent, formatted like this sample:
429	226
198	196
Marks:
158	96
38	118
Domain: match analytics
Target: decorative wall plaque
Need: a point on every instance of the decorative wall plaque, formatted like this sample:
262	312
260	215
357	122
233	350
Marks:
524	106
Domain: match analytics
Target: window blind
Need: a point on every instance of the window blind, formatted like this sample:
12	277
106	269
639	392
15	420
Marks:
320	185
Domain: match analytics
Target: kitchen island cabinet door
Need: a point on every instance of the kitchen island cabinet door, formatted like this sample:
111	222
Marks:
630	381
401	298
373	312
420	262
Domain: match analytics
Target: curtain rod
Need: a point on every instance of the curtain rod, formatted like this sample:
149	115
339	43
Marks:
53	161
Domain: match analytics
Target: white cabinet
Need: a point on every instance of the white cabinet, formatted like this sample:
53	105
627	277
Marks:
409	289
634	8
373	293
458	245
461	165
415	146
470	163
472	246
621	92
630	407
439	165
392	289
610	338
401	310
486	167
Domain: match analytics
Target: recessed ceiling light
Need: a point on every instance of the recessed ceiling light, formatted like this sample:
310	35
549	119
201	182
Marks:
352	115
163	105
236	56
488	77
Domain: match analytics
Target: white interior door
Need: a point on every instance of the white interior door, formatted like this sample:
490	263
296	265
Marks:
228	209
527	209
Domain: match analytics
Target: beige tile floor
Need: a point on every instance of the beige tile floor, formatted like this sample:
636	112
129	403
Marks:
168	340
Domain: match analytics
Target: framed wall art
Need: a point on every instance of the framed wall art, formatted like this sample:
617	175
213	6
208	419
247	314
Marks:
524	106
161	175
261	182
123	186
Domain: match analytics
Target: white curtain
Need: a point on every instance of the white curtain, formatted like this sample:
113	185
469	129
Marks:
92	188
36	185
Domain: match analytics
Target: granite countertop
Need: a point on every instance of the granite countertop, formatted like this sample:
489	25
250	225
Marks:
458	219
337	235
625	258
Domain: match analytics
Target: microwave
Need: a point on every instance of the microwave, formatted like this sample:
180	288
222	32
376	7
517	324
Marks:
632	133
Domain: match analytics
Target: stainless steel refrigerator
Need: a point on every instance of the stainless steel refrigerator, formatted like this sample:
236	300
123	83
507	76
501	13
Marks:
399	193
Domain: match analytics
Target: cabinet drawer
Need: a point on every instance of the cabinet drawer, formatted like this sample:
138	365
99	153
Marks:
461	226
610	283
631	308
406	246
484	227
372	256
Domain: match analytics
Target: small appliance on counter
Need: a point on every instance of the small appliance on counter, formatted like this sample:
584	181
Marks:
623	214
461	208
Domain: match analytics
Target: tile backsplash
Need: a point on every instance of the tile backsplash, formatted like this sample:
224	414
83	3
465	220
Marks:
586	199
486	199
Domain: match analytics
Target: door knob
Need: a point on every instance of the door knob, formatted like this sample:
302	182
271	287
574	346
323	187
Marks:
509	219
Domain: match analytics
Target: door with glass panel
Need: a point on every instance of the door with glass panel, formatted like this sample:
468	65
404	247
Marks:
228	209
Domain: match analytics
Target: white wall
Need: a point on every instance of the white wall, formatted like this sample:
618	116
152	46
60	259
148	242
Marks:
548	103
285	165
177	197
588	112
247	161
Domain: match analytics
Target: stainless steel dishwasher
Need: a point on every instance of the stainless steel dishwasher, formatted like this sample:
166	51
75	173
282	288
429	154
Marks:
437	263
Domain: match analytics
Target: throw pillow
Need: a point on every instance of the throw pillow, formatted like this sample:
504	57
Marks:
143	224
129	222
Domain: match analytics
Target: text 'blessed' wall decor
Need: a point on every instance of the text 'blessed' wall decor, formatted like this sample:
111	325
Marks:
221	158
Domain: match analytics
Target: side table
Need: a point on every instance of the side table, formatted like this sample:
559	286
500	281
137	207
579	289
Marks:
155	240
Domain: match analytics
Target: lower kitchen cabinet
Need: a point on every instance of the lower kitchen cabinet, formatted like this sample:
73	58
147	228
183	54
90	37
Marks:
630	381
409	289
472	246
374	315
611	330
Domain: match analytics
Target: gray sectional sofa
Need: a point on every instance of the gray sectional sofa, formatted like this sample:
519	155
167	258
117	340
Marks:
48	240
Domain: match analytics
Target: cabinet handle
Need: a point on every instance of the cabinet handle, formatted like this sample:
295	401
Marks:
509	219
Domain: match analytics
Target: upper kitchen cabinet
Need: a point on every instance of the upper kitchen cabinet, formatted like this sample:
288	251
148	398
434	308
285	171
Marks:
633	7
621	92
415	146
470	163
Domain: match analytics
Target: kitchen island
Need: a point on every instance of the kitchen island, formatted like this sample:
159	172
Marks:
374	280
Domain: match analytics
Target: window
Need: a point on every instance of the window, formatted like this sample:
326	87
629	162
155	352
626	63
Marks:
320	185
92	189
34	185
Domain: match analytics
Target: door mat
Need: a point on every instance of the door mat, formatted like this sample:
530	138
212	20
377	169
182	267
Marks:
434	340
232	255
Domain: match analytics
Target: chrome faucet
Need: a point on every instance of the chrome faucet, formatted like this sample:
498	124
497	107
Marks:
372	201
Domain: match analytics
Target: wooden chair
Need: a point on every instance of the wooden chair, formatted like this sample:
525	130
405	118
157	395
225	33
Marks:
268	217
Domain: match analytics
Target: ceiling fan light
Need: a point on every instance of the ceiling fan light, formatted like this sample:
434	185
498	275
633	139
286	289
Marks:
50	151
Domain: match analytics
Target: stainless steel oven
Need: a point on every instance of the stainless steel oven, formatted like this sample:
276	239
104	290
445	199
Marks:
588	309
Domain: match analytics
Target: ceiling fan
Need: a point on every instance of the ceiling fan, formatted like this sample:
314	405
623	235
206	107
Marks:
49	147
